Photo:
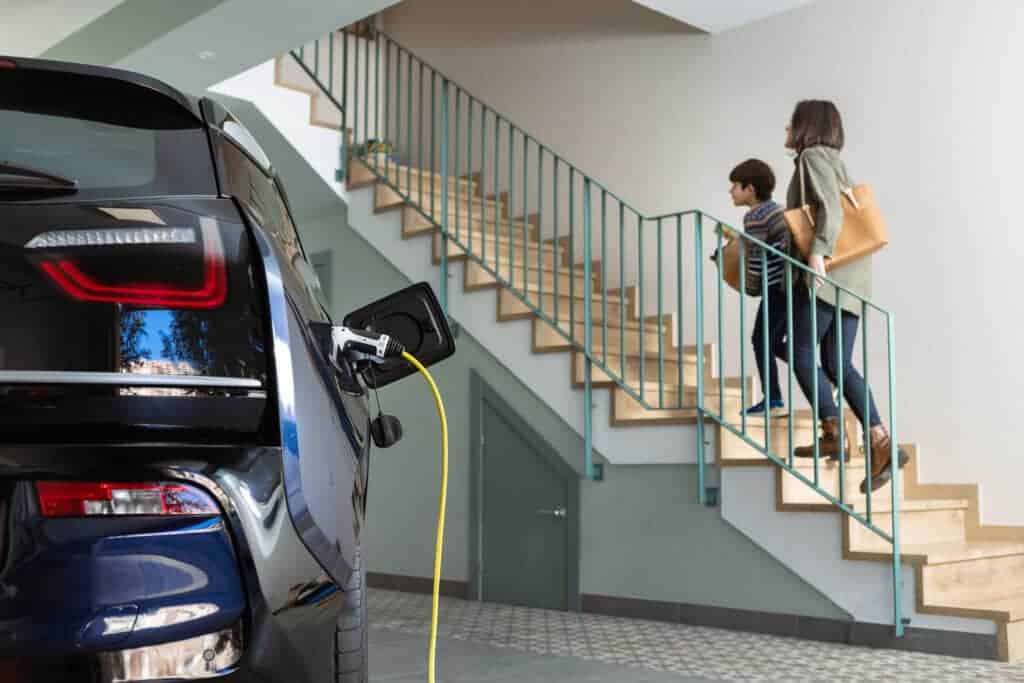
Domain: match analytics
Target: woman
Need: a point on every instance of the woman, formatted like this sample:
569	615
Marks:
815	133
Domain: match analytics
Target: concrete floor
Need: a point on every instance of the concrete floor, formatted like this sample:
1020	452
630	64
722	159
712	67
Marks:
402	658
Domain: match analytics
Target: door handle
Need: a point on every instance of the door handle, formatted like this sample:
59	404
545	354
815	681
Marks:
558	512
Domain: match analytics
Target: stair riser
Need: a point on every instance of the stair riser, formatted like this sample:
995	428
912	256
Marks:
916	528
386	197
733	448
1011	642
983	579
633	371
795	492
510	306
415	223
629	339
628	412
485	249
501	264
477	277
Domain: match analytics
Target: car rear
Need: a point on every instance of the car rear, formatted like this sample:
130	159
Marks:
134	366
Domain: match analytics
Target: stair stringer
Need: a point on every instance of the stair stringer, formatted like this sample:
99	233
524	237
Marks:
548	374
861	588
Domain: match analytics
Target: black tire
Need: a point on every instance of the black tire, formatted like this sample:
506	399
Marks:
351	656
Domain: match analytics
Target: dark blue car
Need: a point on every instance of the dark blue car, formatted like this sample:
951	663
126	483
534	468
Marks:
183	466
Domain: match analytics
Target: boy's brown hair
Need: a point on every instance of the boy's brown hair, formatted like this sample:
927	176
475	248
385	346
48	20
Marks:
757	174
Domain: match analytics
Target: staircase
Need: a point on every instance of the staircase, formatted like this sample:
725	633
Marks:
964	575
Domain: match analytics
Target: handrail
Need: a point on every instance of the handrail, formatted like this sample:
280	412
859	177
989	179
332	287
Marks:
484	170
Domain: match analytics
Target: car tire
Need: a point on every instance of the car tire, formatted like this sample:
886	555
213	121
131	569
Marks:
351	660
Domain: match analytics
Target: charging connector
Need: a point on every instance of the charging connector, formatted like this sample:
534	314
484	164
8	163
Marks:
364	344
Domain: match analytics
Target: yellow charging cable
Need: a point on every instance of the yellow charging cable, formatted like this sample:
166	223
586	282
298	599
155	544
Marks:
440	513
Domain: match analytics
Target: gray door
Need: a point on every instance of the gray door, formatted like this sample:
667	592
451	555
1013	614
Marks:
525	525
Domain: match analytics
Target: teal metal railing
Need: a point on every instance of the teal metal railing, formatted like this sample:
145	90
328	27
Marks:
608	281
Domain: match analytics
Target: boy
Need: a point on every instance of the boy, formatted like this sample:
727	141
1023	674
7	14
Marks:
752	186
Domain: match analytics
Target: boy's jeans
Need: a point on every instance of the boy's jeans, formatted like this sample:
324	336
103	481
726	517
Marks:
775	300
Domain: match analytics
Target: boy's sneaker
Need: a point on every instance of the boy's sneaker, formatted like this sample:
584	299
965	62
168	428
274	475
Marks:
775	406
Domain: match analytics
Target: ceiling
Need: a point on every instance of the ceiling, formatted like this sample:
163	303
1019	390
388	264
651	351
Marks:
715	16
30	27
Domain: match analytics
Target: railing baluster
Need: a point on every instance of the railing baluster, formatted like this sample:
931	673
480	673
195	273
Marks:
526	199
838	327
355	97
330	65
766	354
344	84
376	92
387	103
604	279
815	408
408	127
458	166
419	141
721	327
897	569
554	220
640	297
507	206
789	354
366	91
469	169
622	293
540	227
679	312
572	252
444	197
433	145
661	357
867	401
699	296
588	406
743	334
497	221
483	181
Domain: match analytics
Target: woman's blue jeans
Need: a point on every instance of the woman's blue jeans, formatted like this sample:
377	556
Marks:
855	390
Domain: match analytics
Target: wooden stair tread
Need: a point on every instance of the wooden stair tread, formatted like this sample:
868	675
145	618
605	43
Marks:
944	553
1005	609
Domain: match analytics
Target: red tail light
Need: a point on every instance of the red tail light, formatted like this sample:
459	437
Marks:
71	277
7	64
88	499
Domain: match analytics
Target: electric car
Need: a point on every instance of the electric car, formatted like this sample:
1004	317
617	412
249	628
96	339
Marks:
184	448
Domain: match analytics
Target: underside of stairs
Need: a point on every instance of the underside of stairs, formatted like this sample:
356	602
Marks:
962	567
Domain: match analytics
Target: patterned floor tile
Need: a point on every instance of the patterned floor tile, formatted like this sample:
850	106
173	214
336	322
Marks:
715	654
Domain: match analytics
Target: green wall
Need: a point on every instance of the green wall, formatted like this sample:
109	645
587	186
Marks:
642	533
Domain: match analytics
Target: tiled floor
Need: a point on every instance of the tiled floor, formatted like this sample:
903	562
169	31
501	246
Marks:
690	653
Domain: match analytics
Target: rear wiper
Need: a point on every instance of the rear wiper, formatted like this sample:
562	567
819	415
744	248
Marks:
18	177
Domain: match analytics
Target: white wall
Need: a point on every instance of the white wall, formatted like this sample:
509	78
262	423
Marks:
929	96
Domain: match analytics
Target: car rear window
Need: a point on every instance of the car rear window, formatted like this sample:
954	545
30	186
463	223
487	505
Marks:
114	138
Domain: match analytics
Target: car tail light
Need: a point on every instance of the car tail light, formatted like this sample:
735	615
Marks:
62	252
7	64
89	499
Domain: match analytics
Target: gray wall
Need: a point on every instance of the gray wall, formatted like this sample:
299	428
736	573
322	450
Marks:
642	534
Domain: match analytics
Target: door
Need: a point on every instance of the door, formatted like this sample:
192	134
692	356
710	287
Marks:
525	516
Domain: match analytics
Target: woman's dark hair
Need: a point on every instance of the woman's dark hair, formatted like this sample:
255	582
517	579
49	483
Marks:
816	122
756	173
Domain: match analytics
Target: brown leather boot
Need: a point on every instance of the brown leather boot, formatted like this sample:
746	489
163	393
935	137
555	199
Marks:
881	459
828	442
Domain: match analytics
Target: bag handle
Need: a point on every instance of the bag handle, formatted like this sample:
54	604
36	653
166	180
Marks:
846	188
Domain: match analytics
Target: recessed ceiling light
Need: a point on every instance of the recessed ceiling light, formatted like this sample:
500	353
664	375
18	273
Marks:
207	55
